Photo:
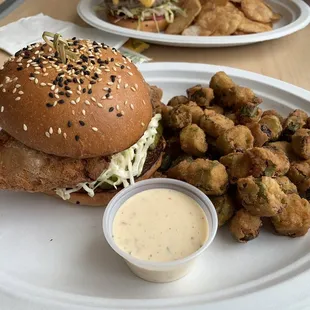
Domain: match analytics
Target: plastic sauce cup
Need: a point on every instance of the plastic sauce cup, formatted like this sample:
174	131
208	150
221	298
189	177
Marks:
160	271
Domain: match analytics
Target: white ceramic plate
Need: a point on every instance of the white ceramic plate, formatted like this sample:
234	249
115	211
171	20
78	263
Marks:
296	16
53	256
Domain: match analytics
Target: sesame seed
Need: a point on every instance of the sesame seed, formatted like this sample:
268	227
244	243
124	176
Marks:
93	99
69	124
14	90
36	72
17	85
84	112
72	102
20	92
59	131
111	109
114	69
89	86
125	103
53	87
25	127
70	92
3	90
36	81
110	83
51	130
110	97
49	105
2	109
87	102
119	114
17	98
43	84
73	112
143	102
142	124
131	106
119	81
56	90
1	85
99	105
130	73
94	128
78	92
31	78
117	107
133	89
118	86
136	86
61	101
78	100
126	85
82	123
47	134
79	87
65	135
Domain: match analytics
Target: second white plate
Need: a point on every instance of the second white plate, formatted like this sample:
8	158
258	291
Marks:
295	16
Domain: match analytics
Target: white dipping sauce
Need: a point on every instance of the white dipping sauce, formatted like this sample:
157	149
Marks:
160	225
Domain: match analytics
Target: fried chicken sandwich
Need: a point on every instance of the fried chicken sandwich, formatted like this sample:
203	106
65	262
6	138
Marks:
78	121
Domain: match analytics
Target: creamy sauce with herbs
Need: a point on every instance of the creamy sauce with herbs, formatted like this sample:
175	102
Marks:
160	225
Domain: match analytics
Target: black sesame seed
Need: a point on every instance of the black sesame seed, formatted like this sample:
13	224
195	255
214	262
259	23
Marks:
106	62
107	95
66	82
80	46
67	87
94	77
111	109
77	71
75	80
84	67
19	68
90	91
69	123
84	90
82	123
51	95
31	74
69	66
61	101
37	60
86	72
93	62
74	38
95	43
81	81
91	56
41	66
77	202
60	84
68	94
119	114
49	105
69	80
17	53
57	63
109	90
76	42
122	66
61	73
61	79
92	82
96	50
79	62
113	78
61	93
112	59
77	138
54	82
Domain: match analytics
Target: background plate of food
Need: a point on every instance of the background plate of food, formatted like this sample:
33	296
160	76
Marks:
211	23
250	155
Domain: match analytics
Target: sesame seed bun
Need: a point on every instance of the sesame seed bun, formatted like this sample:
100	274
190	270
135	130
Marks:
96	105
147	25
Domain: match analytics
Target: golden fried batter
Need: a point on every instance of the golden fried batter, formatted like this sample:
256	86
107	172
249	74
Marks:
275	113
216	108
299	174
285	147
238	166
294	220
215	124
236	139
249	114
207	175
224	206
296	120
221	83
178	117
201	95
245	226
301	143
267	161
195	110
193	140
261	196
177	100
25	169
286	185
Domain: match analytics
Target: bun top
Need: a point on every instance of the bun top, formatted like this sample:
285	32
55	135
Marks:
96	104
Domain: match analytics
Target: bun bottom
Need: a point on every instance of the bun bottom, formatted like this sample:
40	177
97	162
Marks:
101	199
147	25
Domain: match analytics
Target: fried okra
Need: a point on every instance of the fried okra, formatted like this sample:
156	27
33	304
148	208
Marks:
295	121
294	220
285	147
261	196
299	174
178	117
275	113
238	165
301	143
207	175
232	116
193	140
215	124
201	95
224	206
195	110
267	161
216	108
267	129
221	83
236	139
286	185
178	100
249	114
244	226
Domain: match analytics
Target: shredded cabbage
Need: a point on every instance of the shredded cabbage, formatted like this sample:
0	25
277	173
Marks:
124	166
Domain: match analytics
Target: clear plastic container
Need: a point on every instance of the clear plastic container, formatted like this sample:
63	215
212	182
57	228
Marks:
160	271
